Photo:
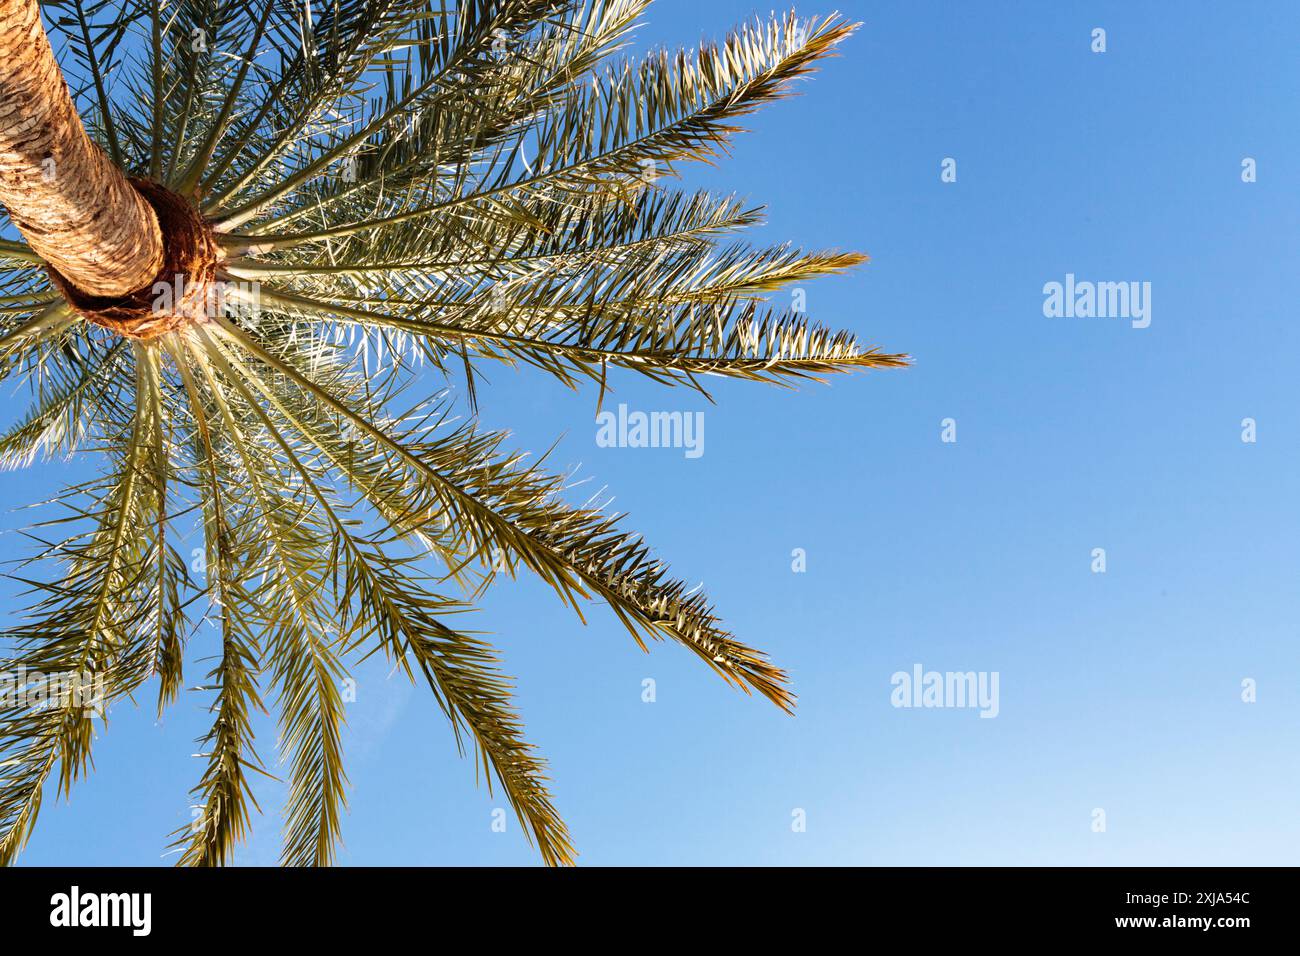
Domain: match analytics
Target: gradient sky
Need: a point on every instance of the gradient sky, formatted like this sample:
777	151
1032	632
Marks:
1119	691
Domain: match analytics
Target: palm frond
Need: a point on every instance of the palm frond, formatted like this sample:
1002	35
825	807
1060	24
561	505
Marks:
93	623
222	816
290	608
499	509
382	605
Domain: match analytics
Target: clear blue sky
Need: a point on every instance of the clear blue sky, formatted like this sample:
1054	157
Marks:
1119	691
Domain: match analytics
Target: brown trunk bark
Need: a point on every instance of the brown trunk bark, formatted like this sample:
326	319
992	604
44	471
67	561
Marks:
72	205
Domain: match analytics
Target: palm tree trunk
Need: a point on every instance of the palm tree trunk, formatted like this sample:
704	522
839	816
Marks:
70	202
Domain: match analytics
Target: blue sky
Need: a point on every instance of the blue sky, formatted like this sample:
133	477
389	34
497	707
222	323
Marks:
1119	691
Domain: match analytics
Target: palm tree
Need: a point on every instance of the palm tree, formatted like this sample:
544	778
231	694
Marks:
247	230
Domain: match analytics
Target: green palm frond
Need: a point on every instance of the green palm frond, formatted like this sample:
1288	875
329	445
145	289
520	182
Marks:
98	617
222	818
401	190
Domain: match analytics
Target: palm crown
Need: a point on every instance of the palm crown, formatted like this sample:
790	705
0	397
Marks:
373	192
